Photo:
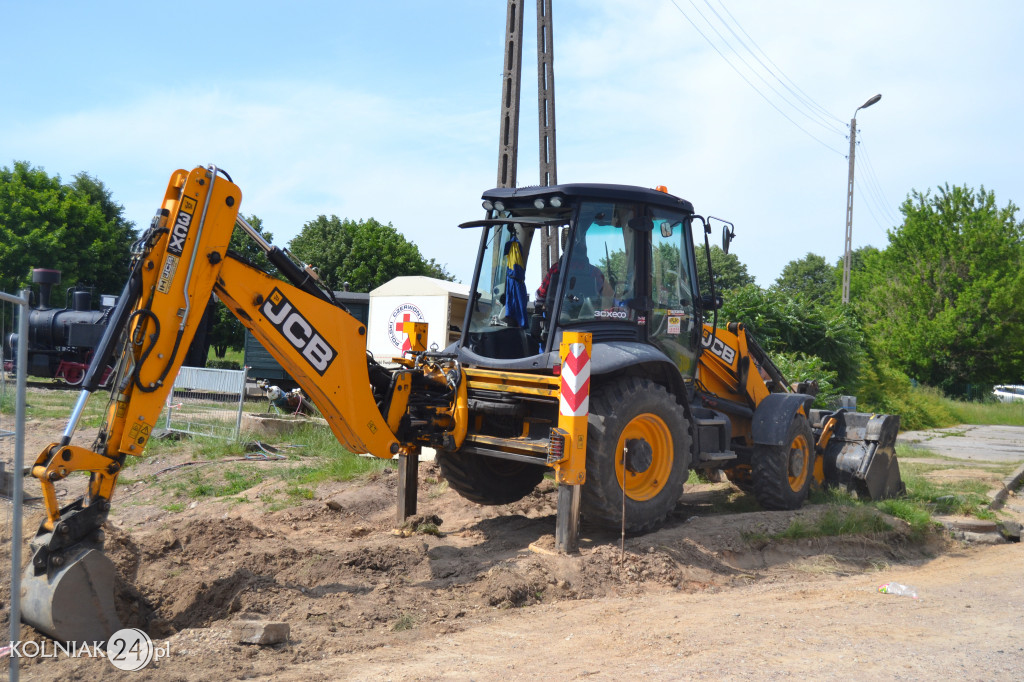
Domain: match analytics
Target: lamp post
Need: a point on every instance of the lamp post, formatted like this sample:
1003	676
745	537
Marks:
849	199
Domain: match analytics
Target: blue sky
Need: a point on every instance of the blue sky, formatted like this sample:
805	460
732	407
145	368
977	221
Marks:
390	109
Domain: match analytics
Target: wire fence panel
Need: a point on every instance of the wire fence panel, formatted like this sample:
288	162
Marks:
13	372
206	402
8	388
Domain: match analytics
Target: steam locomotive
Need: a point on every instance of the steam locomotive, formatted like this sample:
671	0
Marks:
61	341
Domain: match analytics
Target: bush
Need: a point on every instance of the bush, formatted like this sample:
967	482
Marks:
223	364
883	388
799	367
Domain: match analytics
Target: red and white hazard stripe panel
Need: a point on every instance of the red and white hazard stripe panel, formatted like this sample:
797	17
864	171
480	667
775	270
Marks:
575	394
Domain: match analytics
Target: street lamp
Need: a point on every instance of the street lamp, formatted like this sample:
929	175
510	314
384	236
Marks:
849	199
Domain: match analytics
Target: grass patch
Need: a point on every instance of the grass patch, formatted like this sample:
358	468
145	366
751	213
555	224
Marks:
298	494
737	502
835	521
989	413
329	461
404	622
913	513
216	448
963	497
236	355
836	497
197	484
174	507
57	404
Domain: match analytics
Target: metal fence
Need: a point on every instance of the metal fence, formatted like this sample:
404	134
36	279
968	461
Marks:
206	402
12	458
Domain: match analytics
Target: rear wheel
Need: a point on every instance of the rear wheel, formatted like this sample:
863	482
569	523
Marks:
638	440
488	480
782	474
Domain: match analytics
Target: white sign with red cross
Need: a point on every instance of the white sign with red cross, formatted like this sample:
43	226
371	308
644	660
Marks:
575	393
407	312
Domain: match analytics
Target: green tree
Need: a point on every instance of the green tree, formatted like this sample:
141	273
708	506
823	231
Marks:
860	263
225	329
730	273
76	228
363	253
784	324
944	298
810	278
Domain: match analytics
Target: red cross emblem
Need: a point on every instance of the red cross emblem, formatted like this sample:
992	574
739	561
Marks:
400	326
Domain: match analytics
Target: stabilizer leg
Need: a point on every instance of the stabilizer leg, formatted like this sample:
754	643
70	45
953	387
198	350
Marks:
408	480
567	522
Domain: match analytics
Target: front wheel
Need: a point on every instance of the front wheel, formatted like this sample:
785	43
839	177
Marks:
782	474
638	442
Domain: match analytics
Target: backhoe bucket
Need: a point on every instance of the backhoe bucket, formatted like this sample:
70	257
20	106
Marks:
73	603
861	453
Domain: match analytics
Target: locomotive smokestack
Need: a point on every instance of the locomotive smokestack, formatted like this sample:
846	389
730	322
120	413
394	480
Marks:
46	279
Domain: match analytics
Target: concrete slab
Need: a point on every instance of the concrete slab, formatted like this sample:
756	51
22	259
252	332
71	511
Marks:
970	442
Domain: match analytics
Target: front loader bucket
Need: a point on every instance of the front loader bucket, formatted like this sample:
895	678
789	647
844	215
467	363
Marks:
861	454
73	603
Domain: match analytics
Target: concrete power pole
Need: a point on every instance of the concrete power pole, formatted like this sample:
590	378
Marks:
508	125
849	200
508	143
849	215
546	123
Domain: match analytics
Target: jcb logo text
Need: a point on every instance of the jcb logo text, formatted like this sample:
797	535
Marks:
719	348
299	332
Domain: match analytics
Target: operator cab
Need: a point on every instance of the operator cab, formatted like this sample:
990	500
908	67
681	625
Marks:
623	271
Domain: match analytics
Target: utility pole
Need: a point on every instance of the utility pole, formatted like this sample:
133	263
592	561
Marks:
508	126
546	123
849	200
508	143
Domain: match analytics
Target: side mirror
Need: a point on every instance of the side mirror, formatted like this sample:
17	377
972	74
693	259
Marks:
728	232
709	302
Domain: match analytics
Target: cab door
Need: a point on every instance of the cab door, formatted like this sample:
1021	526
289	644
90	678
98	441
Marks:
674	326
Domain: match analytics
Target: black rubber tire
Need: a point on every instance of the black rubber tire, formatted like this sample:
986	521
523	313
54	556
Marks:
782	474
613	407
488	480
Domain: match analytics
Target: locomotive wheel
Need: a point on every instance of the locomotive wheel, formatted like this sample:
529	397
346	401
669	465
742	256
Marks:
488	480
782	474
74	376
638	441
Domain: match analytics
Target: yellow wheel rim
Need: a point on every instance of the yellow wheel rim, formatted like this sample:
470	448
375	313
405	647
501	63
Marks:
648	483
799	465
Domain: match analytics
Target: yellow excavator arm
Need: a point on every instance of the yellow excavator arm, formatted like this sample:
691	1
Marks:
178	264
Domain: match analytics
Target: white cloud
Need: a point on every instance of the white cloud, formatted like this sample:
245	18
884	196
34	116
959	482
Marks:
641	99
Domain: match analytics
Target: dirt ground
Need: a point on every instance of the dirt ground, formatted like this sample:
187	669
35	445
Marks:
706	597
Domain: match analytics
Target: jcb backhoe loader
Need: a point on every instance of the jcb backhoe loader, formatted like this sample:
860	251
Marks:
611	378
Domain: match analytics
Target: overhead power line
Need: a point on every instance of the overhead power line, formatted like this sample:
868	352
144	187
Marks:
782	77
876	185
799	106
